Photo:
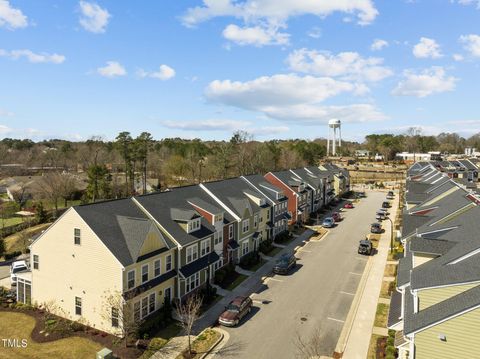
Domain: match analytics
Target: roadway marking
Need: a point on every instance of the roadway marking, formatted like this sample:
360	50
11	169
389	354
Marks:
256	301
277	280
354	273
347	293
336	320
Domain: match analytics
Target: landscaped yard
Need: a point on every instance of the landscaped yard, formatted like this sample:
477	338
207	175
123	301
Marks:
236	282
12	221
274	251
18	242
390	270
372	349
255	267
203	343
19	325
384	292
381	315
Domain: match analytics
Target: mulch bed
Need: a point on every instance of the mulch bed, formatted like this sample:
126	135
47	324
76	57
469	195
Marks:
381	346
104	339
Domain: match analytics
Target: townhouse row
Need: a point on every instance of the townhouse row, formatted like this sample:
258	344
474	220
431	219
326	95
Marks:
166	245
436	306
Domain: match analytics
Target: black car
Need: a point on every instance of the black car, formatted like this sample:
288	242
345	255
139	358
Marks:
365	247
286	262
376	228
386	204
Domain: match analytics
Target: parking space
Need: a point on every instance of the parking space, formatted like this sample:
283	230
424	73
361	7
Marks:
315	298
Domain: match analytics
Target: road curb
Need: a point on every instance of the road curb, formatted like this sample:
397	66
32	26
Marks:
347	327
209	351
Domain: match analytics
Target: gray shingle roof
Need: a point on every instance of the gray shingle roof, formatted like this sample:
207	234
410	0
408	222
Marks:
268	189
404	267
395	310
445	309
121	226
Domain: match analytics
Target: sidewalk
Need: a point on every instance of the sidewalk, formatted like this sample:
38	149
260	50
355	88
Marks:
354	341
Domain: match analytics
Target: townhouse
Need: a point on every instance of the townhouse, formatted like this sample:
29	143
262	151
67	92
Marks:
278	201
157	247
436	306
341	178
250	209
297	192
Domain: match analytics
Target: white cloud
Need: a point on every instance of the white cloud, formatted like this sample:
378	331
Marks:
33	57
315	32
469	2
471	43
458	57
278	11
378	44
4	130
164	73
10	17
255	35
291	97
94	18
426	83
348	65
427	48
224	125
112	69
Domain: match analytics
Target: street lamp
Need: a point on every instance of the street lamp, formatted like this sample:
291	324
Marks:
391	234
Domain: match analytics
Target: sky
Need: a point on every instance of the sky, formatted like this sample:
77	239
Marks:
204	69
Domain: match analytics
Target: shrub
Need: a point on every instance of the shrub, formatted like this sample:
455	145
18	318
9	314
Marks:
220	275
249	260
265	246
390	341
157	344
390	350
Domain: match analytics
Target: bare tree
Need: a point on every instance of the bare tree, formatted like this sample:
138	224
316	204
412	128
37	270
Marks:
188	313
118	310
310	347
51	188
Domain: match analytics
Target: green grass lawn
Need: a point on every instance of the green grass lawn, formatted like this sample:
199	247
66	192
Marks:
240	278
203	343
257	266
274	251
19	325
7	222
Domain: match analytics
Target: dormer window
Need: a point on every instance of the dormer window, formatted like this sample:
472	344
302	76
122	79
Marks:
193	225
218	218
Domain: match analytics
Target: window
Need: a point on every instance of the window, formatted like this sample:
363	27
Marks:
204	247
144	273
218	237
131	279
219	218
193	225
245	226
78	306
244	248
114	317
144	307
192	253
151	303
76	236
192	282
230	231
255	221
168	263
156	268
35	262
136	311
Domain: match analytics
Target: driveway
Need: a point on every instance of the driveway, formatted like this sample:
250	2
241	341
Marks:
312	301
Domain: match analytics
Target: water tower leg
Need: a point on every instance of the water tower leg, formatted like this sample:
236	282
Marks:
334	140
328	142
340	137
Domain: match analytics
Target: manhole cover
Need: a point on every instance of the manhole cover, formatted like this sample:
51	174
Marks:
303	319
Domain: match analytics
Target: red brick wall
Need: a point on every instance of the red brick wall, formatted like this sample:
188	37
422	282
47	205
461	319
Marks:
292	198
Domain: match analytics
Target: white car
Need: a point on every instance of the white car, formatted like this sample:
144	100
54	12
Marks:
16	267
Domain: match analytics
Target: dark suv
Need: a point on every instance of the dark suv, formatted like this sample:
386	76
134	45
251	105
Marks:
285	263
365	247
235	311
386	204
376	228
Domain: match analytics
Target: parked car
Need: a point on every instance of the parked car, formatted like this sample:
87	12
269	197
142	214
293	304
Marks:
361	195
285	263
328	222
16	267
380	216
337	217
348	205
365	247
390	195
384	210
386	204
235	311
376	228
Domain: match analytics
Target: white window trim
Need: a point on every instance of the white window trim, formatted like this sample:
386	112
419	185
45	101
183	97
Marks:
148	270
230	231
134	279
159	267
194	249
243	225
79	236
166	262
190	280
208	246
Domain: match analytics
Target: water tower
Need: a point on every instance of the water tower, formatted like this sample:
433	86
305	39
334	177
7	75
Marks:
334	125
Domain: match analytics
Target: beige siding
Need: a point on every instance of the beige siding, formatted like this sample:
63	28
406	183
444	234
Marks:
420	259
462	338
429	297
66	270
152	243
159	291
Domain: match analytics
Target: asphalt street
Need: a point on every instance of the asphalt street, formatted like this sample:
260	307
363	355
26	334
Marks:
312	301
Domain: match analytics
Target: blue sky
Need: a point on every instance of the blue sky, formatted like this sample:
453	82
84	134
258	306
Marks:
275	68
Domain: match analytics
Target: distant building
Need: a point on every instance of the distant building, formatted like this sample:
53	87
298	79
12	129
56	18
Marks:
415	157
362	153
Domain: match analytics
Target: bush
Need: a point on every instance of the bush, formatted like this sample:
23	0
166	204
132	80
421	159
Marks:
249	260
266	246
390	341
390	350
220	275
283	237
